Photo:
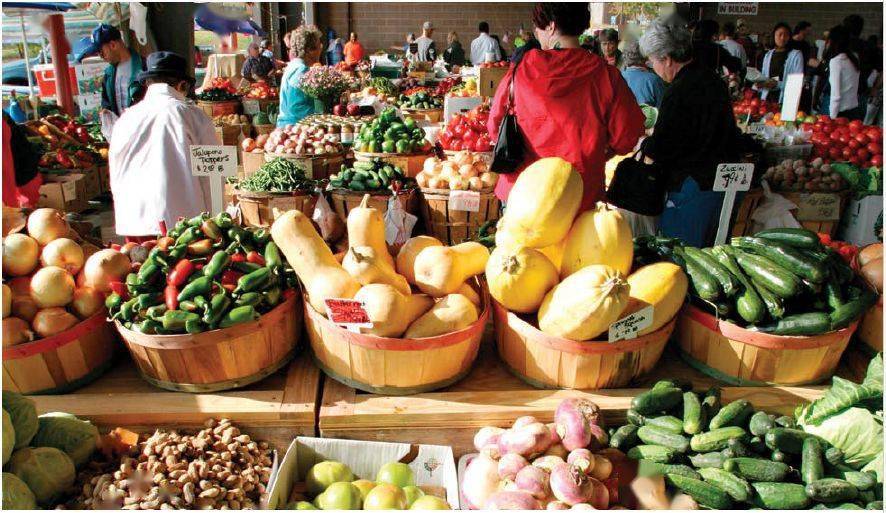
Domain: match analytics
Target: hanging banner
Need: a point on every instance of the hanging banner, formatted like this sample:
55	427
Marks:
737	8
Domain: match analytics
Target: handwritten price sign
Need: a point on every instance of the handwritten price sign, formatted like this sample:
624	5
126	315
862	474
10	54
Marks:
733	177
467	201
627	328
348	313
214	160
818	207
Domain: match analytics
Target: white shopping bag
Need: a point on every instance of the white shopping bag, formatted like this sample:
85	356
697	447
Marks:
774	211
398	223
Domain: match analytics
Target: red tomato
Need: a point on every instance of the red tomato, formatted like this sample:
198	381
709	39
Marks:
852	143
842	121
847	153
755	102
874	133
456	145
807	127
470	137
877	160
828	129
458	130
835	153
845	138
824	117
862	139
855	159
483	144
875	148
856	124
863	153
835	136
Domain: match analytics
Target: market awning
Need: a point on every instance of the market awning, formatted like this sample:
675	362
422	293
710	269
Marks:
220	22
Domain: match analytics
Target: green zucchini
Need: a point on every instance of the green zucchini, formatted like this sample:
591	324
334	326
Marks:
705	494
845	314
777	279
804	324
794	237
811	465
780	496
716	439
784	256
657	400
830	490
669	423
692	414
774	304
728	283
736	487
748	303
713	459
788	440
624	437
735	413
647	468
655	453
757	470
760	423
652	435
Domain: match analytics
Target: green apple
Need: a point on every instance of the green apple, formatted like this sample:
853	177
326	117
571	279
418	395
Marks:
341	495
428	502
324	474
385	496
364	485
398	474
413	493
303	505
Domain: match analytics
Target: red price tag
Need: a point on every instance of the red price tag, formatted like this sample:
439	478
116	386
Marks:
347	312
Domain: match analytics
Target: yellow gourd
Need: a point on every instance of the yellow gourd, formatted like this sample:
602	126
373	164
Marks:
598	236
467	291
542	204
410	250
363	263
554	252
452	313
441	270
366	227
312	260
662	285
519	278
390	311
584	305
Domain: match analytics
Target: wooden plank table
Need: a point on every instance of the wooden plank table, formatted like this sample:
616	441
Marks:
276	409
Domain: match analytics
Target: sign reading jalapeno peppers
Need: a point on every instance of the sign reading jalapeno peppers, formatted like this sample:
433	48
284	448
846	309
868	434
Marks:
206	273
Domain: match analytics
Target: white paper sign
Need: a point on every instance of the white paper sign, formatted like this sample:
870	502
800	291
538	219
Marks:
818	207
251	107
466	201
733	177
69	189
627	328
793	87
757	129
213	160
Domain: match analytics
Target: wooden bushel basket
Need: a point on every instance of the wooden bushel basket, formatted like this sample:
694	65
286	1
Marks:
343	201
252	162
264	129
393	366
63	362
261	209
219	359
544	361
741	357
870	331
456	226
213	109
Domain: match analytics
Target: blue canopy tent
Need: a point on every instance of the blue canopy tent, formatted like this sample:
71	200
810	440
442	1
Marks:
208	19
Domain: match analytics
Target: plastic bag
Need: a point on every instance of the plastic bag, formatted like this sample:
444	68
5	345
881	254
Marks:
107	119
774	211
331	227
398	223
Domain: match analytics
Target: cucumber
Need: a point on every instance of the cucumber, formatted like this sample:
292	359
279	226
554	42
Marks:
788	440
845	314
669	423
875	505
757	445
624	437
834	455
864	481
683	384
794	237
780	496
707	460
779	456
705	494
692	414
728	283
652	435
811	466
655	453
757	470
735	413
805	324
786	421
760	423
657	400
736	448
710	405
775	278
830	490
716	439
833	294
774	304
784	256
635	418
648	468
748	303
736	487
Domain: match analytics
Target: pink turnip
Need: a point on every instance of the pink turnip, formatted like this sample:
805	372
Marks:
524	421
555	438
510	464
557	450
533	480
599	437
480	481
583	459
572	427
526	441
588	409
571	485
486	436
557	506
547	462
581	506
602	468
511	501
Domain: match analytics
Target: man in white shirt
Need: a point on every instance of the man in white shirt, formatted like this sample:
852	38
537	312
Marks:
483	45
427	49
732	46
149	155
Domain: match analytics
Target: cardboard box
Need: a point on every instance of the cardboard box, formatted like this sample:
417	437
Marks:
862	221
489	79
104	178
459	105
63	192
433	465
92	183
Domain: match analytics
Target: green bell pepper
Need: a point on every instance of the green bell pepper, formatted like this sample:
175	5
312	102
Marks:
403	146
388	146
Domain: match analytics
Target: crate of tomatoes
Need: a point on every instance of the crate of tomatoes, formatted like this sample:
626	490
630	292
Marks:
467	131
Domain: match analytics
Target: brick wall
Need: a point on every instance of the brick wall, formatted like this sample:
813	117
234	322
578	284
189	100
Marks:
822	15
383	24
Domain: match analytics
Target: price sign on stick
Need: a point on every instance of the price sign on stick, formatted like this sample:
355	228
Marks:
793	87
217	163
730	178
348	313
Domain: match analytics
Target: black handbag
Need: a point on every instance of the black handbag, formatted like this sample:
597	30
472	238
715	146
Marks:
638	187
509	148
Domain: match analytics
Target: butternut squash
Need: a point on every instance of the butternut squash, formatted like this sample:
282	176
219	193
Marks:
468	291
440	270
662	285
542	204
519	278
366	227
390	311
363	263
598	236
312	260
452	313
583	305
408	253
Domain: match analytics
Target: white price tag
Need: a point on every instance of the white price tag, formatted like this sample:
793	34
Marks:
69	189
627	328
251	107
733	177
467	201
214	160
757	129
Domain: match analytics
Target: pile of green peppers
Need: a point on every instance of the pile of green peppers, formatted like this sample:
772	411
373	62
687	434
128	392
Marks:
204	274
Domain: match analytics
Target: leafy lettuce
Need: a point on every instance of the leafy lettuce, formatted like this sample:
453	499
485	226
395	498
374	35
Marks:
856	431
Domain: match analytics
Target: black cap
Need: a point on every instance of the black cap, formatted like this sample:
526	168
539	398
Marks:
166	64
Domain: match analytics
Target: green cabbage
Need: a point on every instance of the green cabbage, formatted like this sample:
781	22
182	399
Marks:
856	432
24	417
8	437
875	465
47	471
16	494
66	432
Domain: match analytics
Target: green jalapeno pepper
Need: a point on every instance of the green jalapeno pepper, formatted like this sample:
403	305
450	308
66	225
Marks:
272	296
210	229
187	306
128	310
246	267
156	311
193	326
217	307
197	220
146	272
147	326
216	264
261	236
254	281
239	315
199	287
148	299
188	236
250	298
223	220
175	320
113	302
272	255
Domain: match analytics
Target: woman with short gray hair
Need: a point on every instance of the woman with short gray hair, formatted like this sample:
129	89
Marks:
647	87
695	132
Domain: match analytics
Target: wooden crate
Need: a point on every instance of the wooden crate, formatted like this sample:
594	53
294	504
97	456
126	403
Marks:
411	165
318	167
488	80
455	226
104	178
92	183
276	410
490	395
819	211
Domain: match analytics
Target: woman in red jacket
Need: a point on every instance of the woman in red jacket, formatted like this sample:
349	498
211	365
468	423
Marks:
569	103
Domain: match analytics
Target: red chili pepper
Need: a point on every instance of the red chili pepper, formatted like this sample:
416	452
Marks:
238	257
254	258
198	267
179	274
117	287
230	277
170	296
